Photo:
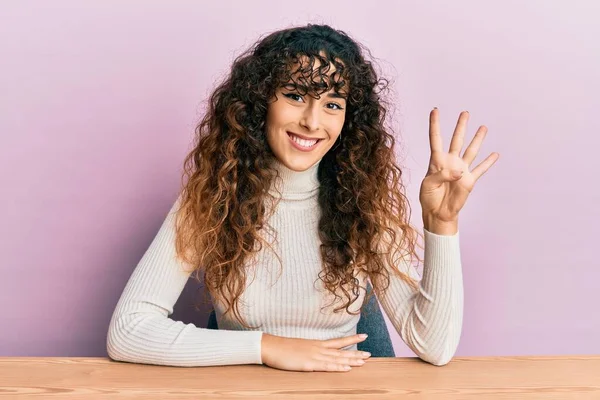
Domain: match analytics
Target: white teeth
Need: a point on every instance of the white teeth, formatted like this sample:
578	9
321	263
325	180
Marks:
303	142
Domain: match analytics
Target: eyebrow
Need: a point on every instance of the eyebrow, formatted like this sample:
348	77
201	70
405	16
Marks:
335	95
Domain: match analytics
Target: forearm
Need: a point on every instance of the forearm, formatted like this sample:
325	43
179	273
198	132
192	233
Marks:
439	304
429	318
146	338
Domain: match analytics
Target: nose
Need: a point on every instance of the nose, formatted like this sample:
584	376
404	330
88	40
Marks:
310	117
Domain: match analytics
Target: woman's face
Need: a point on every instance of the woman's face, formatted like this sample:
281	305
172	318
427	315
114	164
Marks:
294	122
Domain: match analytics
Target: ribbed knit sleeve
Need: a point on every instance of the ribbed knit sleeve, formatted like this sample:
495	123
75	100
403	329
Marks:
429	320
141	331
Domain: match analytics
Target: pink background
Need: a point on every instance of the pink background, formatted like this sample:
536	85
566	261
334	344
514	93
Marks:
99	101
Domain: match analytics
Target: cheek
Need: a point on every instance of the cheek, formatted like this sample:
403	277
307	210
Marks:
336	125
280	113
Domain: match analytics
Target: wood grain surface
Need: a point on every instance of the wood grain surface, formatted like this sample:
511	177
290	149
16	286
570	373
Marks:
543	377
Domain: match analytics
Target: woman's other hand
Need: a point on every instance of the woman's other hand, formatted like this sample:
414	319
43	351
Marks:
312	355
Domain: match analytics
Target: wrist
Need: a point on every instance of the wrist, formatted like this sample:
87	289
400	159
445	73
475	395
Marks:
266	345
440	227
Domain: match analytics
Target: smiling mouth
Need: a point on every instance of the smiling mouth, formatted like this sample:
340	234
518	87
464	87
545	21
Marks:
304	143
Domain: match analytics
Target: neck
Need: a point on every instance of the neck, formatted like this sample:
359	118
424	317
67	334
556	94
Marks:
296	185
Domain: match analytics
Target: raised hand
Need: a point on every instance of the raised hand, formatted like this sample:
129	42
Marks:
449	182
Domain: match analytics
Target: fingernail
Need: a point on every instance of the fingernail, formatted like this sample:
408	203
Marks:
363	336
366	354
435	108
347	368
361	362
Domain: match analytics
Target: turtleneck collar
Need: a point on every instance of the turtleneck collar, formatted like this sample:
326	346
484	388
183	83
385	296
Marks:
295	185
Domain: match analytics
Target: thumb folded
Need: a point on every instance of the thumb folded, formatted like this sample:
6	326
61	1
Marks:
445	175
456	173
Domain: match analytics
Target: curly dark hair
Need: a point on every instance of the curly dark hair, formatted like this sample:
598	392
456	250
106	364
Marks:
365	215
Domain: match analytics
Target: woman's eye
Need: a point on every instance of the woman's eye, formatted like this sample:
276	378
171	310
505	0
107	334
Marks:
337	105
297	97
291	96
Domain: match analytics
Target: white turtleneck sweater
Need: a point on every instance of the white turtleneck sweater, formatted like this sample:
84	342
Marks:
428	320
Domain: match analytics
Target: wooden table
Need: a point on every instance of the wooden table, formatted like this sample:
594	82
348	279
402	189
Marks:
561	377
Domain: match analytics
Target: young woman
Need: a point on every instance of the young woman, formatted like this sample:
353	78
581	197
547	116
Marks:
293	202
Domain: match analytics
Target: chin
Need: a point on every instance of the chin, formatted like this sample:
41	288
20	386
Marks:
299	165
